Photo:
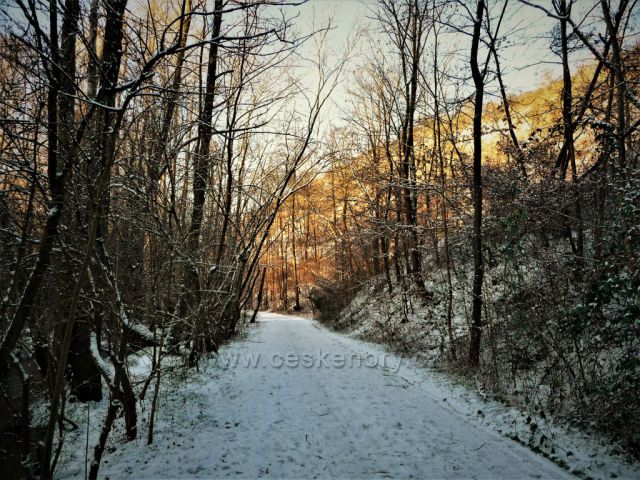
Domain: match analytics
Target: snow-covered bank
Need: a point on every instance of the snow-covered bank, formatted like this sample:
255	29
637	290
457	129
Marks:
275	416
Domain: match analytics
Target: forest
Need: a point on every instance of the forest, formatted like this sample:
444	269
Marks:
177	177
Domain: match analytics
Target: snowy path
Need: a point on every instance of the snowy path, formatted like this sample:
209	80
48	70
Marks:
318	419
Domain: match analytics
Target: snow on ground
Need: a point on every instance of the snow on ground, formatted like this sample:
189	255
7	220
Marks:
374	315
295	400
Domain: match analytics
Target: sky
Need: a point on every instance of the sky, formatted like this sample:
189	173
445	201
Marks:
526	58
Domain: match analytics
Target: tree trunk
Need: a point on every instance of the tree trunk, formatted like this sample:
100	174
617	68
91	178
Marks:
201	160
259	299
478	264
86	383
568	126
621	86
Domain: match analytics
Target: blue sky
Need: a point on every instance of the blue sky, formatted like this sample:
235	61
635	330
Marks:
525	64
526	57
